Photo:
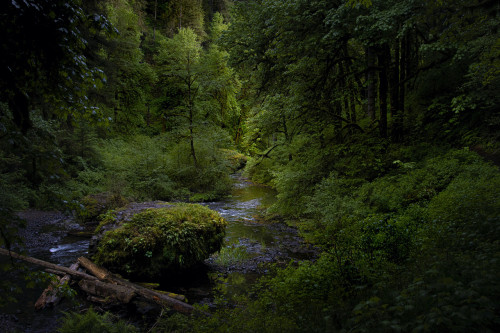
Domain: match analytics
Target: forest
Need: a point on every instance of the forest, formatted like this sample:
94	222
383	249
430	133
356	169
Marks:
375	124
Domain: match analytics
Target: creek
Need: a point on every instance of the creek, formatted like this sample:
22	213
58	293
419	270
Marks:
251	244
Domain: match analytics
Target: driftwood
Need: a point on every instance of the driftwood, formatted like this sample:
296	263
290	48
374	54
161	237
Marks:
116	287
50	297
100	272
48	265
107	290
147	293
83	234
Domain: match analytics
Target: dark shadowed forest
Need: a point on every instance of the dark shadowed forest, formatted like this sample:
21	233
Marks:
373	124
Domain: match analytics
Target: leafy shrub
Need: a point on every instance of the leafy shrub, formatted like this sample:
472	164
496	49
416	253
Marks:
147	168
389	238
416	185
137	167
232	254
236	160
414	260
91	321
295	182
259	170
334	200
452	280
210	178
474	195
162	240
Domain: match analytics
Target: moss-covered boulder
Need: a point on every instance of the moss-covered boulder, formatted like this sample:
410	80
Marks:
159	241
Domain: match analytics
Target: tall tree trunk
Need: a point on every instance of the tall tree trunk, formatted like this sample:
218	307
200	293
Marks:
352	101
335	105
394	94
337	122
180	18
371	79
343	88
191	136
351	87
394	84
402	84
288	139
383	60
190	101
154	24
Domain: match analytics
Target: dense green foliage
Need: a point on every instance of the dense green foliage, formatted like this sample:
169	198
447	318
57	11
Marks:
425	259
371	118
145	168
160	241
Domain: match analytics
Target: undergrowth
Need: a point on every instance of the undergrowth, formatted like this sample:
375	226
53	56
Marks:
415	249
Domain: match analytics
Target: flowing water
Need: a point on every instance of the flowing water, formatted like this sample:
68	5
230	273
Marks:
250	245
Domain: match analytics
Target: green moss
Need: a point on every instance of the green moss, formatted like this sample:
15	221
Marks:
162	240
94	205
106	218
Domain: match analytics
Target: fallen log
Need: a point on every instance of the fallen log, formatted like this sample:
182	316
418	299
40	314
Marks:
109	291
50	297
48	265
82	234
100	272
147	293
144	292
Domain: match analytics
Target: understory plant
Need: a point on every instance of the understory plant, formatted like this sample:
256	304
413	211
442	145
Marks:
414	250
91	321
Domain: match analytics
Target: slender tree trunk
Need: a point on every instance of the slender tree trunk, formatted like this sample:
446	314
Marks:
352	103
383	60
371	90
394	94
190	101
148	116
345	90
287	136
154	24
351	87
402	84
180	18
237	135
337	122
394	84
191	130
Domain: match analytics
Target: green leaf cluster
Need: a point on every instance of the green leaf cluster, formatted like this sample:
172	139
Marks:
91	321
426	264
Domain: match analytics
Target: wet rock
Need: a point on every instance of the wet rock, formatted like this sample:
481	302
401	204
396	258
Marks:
8	322
44	229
